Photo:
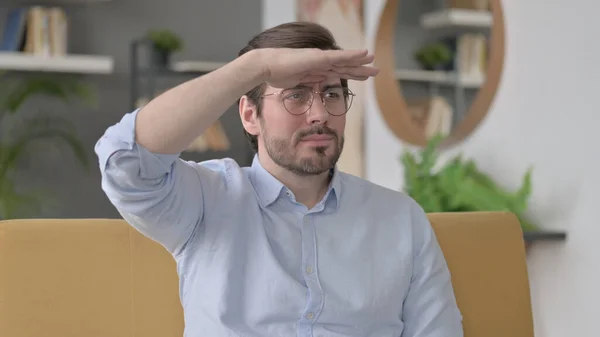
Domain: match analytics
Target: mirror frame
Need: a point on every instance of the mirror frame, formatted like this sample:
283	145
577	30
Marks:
388	90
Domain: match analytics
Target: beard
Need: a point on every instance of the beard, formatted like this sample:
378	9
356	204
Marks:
284	153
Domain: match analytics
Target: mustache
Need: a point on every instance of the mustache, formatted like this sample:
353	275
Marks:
316	130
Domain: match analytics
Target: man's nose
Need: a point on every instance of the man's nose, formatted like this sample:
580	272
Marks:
317	114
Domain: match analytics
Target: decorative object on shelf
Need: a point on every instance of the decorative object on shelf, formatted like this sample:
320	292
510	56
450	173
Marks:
459	186
477	64
345	20
434	56
21	130
213	139
165	43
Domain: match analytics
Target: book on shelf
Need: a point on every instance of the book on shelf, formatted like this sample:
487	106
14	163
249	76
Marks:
36	30
433	115
470	52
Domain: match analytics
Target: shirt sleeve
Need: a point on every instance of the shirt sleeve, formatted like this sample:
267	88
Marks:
430	308
161	195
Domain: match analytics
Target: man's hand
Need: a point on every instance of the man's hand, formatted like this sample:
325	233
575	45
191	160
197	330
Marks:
194	105
285	68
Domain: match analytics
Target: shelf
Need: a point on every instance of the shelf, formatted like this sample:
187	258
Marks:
196	66
457	18
440	77
57	2
79	64
544	236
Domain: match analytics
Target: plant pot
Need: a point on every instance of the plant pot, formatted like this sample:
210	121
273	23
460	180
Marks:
439	67
161	58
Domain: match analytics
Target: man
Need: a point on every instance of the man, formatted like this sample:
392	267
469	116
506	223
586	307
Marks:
289	246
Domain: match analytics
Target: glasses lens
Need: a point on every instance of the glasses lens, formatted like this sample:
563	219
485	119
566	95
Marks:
337	100
297	100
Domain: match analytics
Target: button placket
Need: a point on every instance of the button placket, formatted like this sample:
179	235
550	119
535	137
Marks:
309	264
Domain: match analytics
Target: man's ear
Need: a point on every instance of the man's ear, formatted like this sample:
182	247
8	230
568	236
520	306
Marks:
248	115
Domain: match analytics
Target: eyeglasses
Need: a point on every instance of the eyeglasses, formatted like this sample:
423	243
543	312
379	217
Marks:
297	101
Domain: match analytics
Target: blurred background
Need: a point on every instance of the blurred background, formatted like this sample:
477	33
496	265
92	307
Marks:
480	105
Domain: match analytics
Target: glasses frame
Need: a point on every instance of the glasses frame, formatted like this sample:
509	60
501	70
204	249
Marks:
320	93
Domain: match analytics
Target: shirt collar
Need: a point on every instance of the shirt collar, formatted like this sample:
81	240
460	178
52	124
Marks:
269	188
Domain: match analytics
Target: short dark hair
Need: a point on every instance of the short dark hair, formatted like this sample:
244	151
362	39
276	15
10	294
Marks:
288	35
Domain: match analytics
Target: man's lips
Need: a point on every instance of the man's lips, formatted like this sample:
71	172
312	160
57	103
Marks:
317	140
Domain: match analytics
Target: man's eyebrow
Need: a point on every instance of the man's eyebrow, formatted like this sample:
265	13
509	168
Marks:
331	86
302	86
325	87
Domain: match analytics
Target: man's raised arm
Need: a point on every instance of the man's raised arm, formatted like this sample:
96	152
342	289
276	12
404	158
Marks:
161	195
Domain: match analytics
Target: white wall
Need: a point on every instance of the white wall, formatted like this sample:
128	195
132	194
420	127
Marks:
543	115
275	12
545	101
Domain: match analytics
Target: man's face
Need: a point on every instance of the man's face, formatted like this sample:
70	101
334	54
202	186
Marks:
299	136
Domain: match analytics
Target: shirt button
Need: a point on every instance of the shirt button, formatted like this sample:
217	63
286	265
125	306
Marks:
309	270
310	315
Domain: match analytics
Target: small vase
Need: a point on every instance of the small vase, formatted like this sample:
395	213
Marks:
161	58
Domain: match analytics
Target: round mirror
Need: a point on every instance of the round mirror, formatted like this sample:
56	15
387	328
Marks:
440	62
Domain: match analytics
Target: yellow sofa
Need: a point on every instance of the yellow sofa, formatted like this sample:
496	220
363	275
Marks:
101	278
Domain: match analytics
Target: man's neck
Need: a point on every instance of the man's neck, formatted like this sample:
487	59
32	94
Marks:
308	190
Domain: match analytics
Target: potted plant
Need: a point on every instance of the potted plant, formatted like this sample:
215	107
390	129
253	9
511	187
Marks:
164	44
459	186
21	129
434	56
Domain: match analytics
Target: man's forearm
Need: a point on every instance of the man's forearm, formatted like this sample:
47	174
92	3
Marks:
170	122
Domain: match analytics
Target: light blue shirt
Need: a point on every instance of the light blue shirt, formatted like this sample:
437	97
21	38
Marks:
253	262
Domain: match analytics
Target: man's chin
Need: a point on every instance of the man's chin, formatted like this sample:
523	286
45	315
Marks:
320	153
324	159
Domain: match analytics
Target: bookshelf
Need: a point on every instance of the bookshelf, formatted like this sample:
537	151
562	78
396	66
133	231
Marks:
148	79
74	64
35	39
456	18
468	29
439	77
199	67
144	75
544	235
15	3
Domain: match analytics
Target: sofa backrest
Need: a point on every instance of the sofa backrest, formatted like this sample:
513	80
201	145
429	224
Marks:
486	256
99	277
85	278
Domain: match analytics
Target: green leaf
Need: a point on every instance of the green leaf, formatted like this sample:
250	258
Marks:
459	185
518	201
14	204
43	128
19	134
63	90
165	40
39	129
